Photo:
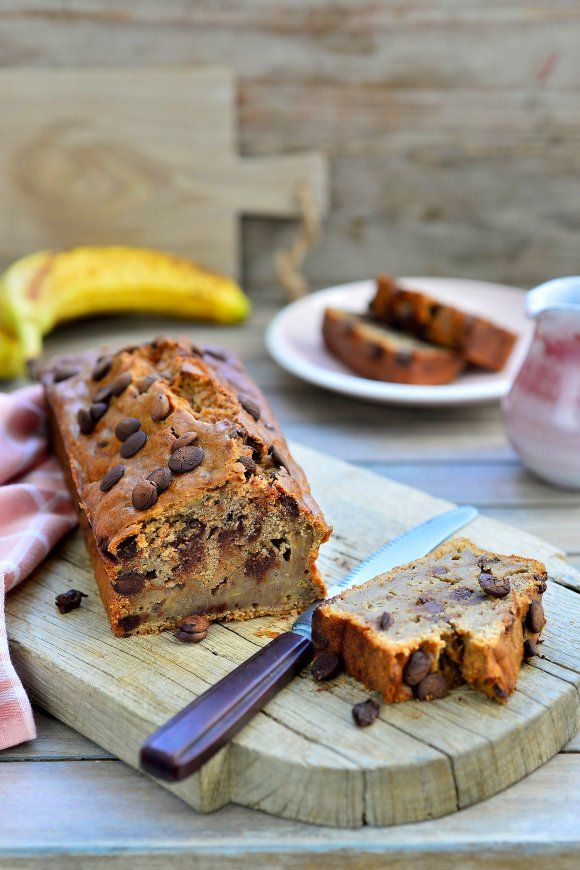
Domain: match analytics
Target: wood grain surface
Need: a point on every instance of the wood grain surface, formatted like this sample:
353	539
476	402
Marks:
139	157
451	128
96	809
303	758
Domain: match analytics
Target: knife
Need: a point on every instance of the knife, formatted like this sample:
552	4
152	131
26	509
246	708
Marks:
196	733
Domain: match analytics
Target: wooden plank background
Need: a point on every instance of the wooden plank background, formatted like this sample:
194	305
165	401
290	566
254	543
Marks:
146	156
453	128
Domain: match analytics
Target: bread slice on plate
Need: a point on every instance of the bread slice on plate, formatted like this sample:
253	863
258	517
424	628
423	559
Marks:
372	350
459	615
481	342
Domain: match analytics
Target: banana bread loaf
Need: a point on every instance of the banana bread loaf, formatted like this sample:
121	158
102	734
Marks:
459	615
481	342
374	351
188	496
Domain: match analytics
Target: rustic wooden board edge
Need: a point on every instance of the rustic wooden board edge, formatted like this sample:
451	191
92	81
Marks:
360	783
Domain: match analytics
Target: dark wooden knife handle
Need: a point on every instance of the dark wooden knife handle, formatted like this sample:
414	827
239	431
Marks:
195	734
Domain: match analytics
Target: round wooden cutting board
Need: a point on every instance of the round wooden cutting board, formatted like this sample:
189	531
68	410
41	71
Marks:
303	757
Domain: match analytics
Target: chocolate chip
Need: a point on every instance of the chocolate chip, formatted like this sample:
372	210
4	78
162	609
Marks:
277	458
185	459
127	549
249	465
161	477
103	394
439	570
192	629
250	406
462	593
530	649
144	383
133	444
385	621
127	427
365	713
289	504
160	407
499	692
431	688
102	368
535	619
404	312
85	421
403	358
318	638
376	351
113	476
434	607
184	440
68	601
496	587
97	409
196	622
326	666
417	668
129	582
103	547
121	383
63	373
541	581
144	495
128	623
257	565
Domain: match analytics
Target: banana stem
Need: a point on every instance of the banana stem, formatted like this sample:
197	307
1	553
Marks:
30	340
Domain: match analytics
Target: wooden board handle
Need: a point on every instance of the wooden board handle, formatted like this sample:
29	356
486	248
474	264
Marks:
194	735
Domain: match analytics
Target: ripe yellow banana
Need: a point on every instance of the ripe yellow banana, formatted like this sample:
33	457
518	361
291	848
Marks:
43	289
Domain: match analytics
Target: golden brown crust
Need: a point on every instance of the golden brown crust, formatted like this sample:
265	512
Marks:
204	391
486	652
481	342
383	355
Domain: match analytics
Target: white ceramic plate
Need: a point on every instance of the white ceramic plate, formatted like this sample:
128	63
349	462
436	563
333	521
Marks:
294	340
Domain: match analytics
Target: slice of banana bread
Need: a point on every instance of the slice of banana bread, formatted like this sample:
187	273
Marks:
459	615
373	351
481	342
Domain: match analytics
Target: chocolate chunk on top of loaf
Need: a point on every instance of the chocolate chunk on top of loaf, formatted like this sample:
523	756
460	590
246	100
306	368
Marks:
442	621
165	497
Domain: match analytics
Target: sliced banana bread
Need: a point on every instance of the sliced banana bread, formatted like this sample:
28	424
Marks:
373	351
481	342
189	498
459	615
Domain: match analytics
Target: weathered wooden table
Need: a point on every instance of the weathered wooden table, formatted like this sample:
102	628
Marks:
64	802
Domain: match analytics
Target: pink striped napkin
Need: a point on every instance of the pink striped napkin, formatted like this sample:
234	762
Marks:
35	512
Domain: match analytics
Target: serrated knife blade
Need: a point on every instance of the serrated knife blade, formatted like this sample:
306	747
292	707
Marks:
412	544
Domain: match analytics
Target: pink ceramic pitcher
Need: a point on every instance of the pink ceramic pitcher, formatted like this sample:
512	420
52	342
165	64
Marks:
542	409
